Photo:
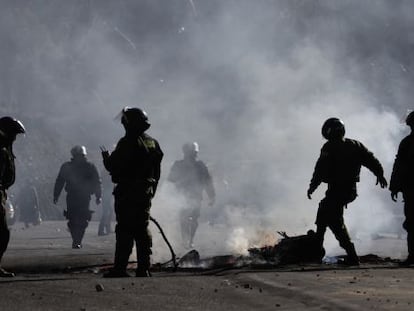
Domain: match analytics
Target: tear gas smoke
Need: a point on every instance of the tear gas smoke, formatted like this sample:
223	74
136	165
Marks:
251	81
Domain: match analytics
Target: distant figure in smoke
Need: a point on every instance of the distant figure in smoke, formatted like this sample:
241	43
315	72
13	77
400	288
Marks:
135	168
191	177
81	180
402	180
107	205
28	204
339	166
9	128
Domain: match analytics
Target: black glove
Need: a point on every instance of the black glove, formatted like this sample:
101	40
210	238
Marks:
382	181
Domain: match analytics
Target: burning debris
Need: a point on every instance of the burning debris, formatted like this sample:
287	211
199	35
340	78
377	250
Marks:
291	250
191	259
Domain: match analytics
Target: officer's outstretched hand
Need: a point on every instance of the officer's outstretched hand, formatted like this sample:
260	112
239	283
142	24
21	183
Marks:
394	196
309	193
382	181
55	200
104	152
98	201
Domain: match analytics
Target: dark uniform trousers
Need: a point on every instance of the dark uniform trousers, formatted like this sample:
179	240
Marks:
132	216
330	214
78	215
4	229
189	219
408	224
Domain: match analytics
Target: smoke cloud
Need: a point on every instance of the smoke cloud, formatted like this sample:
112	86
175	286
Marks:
250	81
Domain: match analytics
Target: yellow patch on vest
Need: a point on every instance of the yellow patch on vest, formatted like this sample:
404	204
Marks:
149	143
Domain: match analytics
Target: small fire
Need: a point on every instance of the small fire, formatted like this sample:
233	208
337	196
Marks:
265	238
240	241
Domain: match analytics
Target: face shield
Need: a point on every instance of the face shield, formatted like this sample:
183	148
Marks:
10	128
134	119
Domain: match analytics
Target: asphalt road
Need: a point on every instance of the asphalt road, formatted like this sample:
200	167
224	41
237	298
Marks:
52	276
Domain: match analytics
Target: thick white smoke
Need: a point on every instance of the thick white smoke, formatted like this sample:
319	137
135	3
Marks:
251	81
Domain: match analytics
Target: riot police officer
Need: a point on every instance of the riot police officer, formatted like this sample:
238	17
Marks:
81	180
135	168
339	166
9	128
105	226
191	178
28	204
402	180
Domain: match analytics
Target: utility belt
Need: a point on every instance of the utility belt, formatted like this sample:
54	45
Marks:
136	187
87	214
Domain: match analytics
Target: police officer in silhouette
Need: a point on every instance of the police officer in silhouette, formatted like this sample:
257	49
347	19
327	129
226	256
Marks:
9	129
105	223
28	204
135	168
402	180
191	178
339	166
80	178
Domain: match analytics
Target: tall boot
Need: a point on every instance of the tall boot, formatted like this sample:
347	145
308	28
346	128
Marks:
410	246
4	241
143	269
72	230
352	257
77	235
119	269
5	274
123	248
143	248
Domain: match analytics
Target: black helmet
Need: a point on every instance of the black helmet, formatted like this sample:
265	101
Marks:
333	128
410	119
10	127
134	118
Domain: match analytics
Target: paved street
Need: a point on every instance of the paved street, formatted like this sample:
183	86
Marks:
52	276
